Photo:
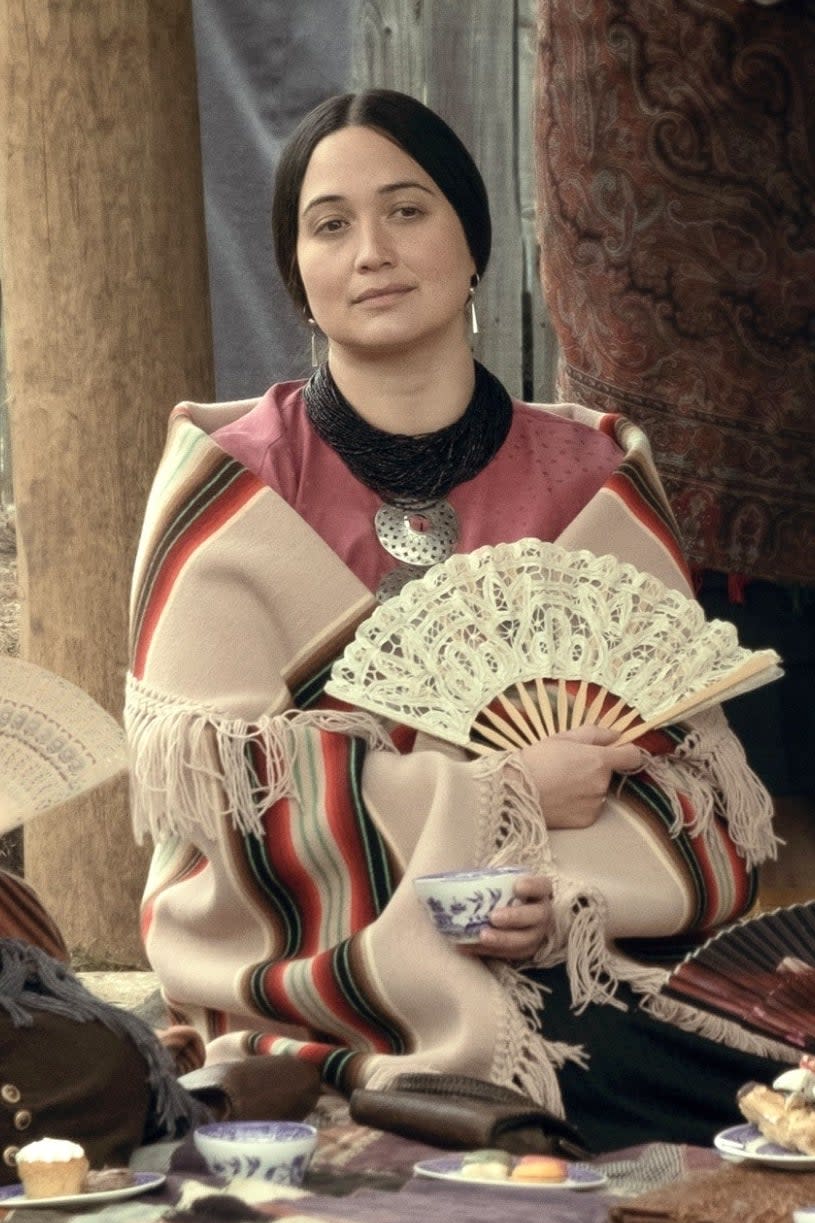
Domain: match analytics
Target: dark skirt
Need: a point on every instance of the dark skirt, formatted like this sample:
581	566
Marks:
647	1081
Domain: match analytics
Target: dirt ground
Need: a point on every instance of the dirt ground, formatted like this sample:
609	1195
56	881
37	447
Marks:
11	845
9	607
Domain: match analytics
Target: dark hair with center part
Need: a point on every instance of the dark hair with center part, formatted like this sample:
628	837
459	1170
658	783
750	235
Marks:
414	128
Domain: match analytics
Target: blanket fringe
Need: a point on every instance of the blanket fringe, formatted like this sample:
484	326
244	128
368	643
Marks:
596	969
710	769
190	766
588	962
525	1060
716	1028
519	835
578	936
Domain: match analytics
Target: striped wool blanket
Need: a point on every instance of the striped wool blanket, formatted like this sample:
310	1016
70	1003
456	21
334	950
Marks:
24	918
279	912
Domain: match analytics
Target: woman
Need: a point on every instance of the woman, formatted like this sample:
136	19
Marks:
279	913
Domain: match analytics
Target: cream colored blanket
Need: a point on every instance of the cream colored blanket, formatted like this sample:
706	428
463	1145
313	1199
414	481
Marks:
279	913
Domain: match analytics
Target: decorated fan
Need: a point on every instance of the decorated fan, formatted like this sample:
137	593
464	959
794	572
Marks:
55	741
760	972
503	646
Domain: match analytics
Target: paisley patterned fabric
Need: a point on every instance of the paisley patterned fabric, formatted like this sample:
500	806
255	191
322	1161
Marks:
676	179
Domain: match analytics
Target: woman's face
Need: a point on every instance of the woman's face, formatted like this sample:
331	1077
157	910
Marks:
381	251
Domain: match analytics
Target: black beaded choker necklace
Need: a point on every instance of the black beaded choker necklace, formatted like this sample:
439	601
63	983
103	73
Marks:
411	471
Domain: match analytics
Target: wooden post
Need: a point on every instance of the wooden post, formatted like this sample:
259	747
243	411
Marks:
107	324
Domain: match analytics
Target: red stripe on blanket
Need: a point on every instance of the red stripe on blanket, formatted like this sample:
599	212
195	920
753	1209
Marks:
325	988
313	1051
342	822
217	1023
241	490
276	994
737	877
288	867
608	424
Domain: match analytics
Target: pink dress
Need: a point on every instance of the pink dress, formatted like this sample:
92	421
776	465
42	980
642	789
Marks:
548	468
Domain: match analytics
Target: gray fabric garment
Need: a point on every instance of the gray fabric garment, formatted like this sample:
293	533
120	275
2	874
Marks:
262	64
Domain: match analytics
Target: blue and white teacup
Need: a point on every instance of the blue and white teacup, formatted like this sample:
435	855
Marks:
278	1152
459	903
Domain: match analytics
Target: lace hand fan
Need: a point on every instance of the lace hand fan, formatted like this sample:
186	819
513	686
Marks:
760	972
55	742
500	647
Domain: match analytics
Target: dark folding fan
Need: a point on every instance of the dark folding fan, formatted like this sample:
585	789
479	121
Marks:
759	972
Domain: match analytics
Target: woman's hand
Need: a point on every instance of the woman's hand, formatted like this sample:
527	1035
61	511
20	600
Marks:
517	930
572	771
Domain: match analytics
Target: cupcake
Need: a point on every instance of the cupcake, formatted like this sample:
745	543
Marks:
52	1167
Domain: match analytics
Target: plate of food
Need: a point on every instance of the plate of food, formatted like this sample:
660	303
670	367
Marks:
746	1142
114	1183
495	1169
780	1121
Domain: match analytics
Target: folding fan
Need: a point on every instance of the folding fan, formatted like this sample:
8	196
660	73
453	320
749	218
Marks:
505	645
760	972
55	741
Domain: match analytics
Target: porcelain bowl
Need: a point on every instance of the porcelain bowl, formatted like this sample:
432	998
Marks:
275	1151
459	903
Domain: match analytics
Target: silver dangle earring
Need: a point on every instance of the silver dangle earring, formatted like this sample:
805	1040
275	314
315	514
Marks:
473	315
315	357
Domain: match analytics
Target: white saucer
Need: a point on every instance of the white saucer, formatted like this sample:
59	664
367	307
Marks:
448	1168
745	1142
12	1197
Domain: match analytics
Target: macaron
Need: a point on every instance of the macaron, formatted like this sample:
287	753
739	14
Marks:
540	1168
490	1165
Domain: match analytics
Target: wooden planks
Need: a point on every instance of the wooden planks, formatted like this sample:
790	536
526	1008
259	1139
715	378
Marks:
540	342
474	63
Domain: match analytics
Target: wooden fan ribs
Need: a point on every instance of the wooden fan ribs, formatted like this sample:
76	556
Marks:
525	719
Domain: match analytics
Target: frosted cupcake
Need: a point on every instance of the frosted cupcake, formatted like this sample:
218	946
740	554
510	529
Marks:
51	1168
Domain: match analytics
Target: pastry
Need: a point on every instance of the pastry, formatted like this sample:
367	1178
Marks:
787	1118
52	1167
107	1179
540	1168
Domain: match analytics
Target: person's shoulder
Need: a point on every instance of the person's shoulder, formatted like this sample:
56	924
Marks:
269	417
263	426
267	433
566	416
567	423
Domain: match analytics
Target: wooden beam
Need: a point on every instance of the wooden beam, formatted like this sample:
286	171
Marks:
474	63
388	46
471	78
107	324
